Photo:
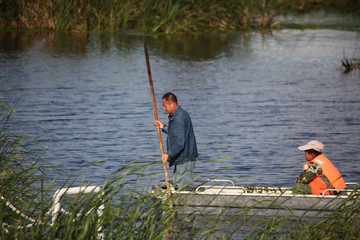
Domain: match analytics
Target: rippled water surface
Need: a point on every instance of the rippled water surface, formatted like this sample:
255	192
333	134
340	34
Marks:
253	98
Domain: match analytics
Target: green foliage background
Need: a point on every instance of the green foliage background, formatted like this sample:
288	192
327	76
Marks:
165	16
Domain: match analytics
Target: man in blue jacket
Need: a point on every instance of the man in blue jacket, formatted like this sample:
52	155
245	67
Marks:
181	144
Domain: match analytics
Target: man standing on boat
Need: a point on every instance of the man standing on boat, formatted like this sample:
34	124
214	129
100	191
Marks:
181	144
319	173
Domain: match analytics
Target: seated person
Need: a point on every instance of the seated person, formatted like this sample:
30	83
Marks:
318	173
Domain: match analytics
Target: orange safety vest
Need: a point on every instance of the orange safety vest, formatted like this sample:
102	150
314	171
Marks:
329	171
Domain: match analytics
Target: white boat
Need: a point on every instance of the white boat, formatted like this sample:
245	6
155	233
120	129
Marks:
56	208
264	202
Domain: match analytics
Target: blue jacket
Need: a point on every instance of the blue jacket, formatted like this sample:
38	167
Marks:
180	143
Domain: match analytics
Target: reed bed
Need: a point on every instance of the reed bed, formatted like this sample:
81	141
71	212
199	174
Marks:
124	209
165	16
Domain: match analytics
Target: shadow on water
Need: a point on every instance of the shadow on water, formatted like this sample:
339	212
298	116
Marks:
198	47
60	43
186	48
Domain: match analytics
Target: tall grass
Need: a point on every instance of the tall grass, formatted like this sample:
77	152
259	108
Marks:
341	224
126	210
167	16
26	203
21	172
350	64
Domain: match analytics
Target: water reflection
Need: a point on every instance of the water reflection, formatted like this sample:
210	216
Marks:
64	44
199	47
18	41
187	48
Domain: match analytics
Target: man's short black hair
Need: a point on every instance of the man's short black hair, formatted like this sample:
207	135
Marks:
170	97
317	153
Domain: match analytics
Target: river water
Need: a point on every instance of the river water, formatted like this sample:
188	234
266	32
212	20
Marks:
253	98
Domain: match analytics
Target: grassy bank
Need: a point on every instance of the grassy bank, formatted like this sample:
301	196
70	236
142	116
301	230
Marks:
166	16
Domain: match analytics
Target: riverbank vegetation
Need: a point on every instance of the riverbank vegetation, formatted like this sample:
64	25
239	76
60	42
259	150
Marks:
350	64
124	209
161	16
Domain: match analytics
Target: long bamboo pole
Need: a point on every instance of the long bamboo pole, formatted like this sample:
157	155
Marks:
156	118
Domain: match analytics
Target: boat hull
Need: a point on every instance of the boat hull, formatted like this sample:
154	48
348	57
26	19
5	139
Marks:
257	202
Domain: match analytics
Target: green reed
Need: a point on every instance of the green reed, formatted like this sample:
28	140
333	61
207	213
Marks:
341	224
166	16
124	208
26	202
21	175
350	64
